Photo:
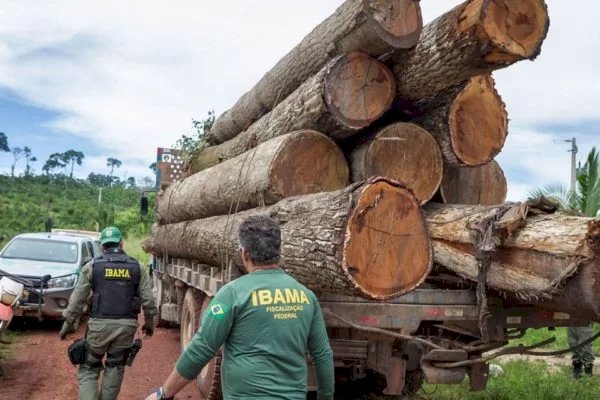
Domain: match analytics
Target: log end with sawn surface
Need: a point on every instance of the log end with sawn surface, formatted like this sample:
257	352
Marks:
373	27
469	121
348	94
404	152
485	185
297	163
367	239
476	37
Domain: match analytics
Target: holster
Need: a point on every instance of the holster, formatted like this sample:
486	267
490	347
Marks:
77	352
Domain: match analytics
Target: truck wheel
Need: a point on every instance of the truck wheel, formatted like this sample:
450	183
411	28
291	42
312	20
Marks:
209	379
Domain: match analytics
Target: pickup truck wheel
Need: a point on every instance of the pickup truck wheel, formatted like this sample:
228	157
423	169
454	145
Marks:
209	379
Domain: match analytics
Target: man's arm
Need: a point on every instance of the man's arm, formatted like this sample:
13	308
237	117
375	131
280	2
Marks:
216	325
80	295
146	295
319	348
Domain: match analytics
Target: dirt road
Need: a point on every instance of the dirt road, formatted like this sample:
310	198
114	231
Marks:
40	369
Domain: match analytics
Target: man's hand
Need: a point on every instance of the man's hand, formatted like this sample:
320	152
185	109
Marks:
66	328
159	395
148	327
153	396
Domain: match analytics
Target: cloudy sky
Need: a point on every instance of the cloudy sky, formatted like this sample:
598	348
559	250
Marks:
120	80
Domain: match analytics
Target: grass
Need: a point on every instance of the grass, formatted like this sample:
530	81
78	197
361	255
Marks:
522	380
133	247
5	349
537	335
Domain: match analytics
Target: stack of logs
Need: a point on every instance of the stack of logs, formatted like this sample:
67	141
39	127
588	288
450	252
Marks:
372	142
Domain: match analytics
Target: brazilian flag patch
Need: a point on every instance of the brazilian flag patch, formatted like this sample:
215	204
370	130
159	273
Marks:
218	310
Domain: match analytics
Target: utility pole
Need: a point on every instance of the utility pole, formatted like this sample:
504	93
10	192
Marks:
573	151
99	195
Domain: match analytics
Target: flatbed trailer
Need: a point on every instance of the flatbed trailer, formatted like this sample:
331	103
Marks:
394	345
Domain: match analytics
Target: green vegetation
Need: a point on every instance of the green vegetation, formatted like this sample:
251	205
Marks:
37	203
8	337
522	380
538	335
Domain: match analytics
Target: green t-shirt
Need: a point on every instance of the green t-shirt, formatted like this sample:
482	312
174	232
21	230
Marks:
267	322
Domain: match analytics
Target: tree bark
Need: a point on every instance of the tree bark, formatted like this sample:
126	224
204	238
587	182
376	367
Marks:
536	251
373	27
579	295
476	37
366	239
485	185
469	121
294	164
404	152
348	94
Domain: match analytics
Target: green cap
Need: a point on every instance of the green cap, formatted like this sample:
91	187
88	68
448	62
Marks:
110	235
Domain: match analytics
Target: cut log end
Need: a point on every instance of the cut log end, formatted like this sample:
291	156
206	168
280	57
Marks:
485	185
359	89
406	153
516	27
387	251
478	122
398	23
308	163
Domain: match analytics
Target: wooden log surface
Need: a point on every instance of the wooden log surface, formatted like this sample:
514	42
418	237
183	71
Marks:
469	121
404	152
537	251
373	27
348	94
485	185
294	164
476	37
367	239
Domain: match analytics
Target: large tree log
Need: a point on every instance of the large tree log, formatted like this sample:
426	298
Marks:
476	37
469	121
294	164
403	152
536	251
348	94
371	26
485	185
366	239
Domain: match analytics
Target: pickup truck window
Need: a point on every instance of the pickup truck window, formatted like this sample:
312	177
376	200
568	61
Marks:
41	250
86	250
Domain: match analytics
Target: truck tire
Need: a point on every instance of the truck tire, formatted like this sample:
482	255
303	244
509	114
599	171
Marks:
209	379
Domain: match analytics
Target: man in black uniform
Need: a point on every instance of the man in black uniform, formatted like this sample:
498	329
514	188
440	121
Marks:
120	289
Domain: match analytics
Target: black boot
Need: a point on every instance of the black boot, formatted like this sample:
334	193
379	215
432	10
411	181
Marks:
588	369
577	369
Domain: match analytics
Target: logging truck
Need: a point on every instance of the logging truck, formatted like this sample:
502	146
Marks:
434	333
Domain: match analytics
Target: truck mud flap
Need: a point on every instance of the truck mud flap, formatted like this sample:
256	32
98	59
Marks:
439	375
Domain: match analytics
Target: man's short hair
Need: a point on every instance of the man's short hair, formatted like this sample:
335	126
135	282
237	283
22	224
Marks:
110	245
260	236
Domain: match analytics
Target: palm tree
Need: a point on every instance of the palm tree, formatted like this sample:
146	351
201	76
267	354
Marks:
112	163
17	153
586	198
4	142
29	158
72	157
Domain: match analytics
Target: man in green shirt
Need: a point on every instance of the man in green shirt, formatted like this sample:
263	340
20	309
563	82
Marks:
267	323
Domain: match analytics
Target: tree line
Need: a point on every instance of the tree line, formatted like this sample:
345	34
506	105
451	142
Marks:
64	164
